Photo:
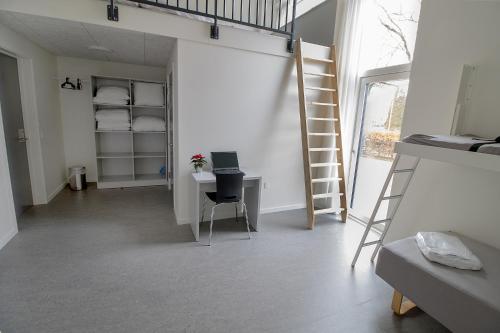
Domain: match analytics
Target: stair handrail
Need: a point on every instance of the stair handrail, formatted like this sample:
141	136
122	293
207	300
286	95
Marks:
273	23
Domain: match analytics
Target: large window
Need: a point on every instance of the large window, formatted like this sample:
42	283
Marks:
386	50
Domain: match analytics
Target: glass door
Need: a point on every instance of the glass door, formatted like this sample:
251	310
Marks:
381	108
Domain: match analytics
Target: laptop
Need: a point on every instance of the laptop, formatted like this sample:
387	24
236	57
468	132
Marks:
225	162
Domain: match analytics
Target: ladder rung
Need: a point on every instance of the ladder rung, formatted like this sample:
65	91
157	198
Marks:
321	89
325	180
327	195
392	197
322	119
324	149
371	243
323	134
322	104
319	74
328	61
404	170
319	165
328	211
380	221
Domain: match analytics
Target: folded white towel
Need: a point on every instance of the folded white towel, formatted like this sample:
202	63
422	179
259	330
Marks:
148	124
117	115
447	250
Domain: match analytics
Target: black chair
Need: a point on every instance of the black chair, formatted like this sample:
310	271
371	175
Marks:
229	191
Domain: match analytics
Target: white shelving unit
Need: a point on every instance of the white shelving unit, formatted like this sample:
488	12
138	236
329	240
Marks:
130	158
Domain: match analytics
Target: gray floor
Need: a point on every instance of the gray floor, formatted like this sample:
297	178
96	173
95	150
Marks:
115	261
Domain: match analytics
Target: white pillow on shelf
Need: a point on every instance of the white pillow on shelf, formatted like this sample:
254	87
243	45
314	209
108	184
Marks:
148	94
112	93
148	124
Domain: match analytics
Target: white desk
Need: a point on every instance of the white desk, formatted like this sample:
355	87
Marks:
205	182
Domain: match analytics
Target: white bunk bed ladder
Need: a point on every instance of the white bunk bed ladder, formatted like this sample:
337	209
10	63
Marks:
409	172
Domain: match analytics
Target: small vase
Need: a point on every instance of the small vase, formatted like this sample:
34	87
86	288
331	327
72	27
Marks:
198	169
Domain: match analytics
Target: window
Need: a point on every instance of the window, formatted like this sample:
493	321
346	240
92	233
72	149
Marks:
386	50
389	32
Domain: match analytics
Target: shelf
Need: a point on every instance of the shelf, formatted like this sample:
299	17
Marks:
149	132
148	106
113	105
146	177
110	131
117	178
459	157
160	154
114	155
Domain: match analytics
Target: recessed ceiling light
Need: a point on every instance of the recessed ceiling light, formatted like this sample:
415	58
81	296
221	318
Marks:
99	48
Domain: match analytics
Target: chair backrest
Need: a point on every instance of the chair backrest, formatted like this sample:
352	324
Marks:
229	186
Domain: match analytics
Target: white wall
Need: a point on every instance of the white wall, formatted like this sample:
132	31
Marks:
8	224
76	106
318	25
244	101
41	110
442	196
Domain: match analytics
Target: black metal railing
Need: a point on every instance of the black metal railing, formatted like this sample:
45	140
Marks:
277	16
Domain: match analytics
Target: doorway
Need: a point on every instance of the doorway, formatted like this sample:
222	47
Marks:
15	138
378	127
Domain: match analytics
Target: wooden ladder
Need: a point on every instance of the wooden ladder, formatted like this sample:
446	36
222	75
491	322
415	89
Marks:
329	119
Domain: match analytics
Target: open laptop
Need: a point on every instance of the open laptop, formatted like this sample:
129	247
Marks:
225	162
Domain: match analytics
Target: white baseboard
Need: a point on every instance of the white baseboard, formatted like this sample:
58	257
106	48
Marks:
262	211
56	191
282	208
7	237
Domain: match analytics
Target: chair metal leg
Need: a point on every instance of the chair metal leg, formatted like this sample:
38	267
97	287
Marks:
211	225
203	209
246	218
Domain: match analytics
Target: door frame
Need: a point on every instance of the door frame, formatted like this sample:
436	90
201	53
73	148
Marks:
30	120
399	72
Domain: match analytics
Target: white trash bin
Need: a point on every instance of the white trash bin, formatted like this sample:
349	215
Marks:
77	178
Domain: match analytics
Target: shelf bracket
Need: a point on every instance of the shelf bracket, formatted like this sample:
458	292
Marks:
112	11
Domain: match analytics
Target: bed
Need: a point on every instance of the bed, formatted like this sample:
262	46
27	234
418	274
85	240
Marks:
468	143
463	301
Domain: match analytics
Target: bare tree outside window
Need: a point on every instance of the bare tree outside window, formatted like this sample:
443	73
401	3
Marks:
394	22
390	28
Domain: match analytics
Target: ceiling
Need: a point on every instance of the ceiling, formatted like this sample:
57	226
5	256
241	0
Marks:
72	39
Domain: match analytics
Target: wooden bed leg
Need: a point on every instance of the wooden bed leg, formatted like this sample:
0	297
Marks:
399	306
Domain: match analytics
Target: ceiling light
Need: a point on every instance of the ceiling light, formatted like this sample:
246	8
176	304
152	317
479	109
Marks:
99	48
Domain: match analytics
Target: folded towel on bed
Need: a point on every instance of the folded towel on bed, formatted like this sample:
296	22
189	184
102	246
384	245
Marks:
447	250
116	115
148	124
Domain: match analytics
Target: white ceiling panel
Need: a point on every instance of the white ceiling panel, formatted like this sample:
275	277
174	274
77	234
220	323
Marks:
157	49
73	39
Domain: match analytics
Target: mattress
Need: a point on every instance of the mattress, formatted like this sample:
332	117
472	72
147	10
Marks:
448	141
463	301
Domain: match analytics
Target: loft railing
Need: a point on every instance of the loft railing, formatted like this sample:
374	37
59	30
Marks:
277	16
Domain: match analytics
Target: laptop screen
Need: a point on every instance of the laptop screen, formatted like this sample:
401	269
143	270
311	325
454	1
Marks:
224	160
